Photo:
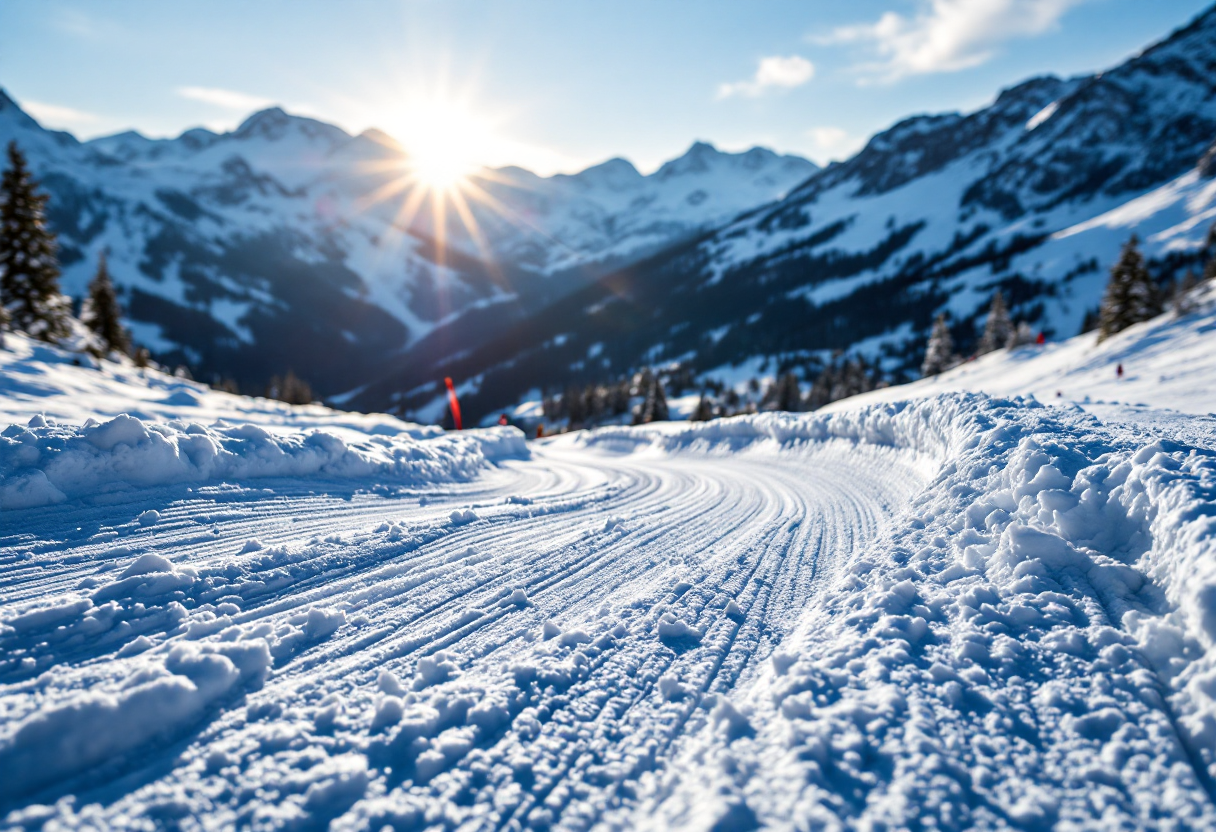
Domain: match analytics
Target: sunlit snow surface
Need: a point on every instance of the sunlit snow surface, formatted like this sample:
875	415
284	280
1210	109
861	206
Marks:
954	612
1168	362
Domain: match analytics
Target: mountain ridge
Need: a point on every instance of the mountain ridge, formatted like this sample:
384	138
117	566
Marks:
1031	195
228	247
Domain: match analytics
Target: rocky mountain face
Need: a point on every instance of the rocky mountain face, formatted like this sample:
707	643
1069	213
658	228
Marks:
1031	196
282	245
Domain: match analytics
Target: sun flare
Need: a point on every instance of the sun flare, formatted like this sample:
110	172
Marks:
439	169
441	141
438	180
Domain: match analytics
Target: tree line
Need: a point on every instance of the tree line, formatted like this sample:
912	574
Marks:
1133	295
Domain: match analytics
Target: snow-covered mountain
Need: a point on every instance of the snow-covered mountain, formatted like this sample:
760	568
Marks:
1032	195
246	253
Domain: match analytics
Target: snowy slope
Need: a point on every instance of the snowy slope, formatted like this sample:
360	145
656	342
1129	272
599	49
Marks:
1168	362
611	212
284	242
38	379
978	612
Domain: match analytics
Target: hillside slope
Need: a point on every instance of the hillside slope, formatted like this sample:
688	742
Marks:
286	244
1031	195
1168	363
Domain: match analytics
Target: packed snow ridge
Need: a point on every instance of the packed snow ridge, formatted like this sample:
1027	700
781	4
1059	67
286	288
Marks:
956	611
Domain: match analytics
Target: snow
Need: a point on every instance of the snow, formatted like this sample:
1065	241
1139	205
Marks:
279	174
1168	364
38	379
928	607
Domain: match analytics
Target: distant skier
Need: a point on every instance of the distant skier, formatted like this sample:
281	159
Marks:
1041	340
1119	372
503	420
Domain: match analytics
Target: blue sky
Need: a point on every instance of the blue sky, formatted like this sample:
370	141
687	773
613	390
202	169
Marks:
556	85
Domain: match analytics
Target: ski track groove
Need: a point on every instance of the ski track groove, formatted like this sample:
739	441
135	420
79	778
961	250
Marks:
749	531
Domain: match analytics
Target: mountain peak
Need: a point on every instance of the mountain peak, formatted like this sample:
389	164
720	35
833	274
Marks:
269	122
378	136
696	159
10	109
275	124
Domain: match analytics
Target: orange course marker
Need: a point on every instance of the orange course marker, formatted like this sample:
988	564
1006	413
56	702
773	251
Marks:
453	401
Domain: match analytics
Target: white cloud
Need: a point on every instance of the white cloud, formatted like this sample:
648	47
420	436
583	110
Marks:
228	99
833	143
946	35
55	116
775	72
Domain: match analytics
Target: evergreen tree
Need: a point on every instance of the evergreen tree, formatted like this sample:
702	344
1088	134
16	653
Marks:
997	329
618	397
572	399
783	394
731	401
1090	322
1131	295
654	408
1209	267
1021	335
294	390
102	314
939	353
29	272
821	389
704	411
1184	295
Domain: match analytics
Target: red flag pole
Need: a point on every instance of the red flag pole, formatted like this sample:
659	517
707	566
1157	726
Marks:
455	404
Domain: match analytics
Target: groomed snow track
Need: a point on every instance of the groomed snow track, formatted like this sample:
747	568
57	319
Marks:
799	623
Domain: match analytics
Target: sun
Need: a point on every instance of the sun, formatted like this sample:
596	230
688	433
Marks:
439	165
437	178
442	142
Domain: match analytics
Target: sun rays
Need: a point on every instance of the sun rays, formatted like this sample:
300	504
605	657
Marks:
433	180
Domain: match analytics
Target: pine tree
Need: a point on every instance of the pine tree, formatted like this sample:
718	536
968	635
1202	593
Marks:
789	395
292	389
1020	336
704	411
572	399
785	394
1090	321
1184	295
1209	267
654	408
29	271
102	314
939	353
1131	295
997	329
821	390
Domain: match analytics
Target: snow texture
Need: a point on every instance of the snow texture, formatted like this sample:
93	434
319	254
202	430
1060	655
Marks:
44	464
953	611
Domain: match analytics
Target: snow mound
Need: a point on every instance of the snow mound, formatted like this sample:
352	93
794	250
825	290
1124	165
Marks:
38	379
1054	581
44	463
62	738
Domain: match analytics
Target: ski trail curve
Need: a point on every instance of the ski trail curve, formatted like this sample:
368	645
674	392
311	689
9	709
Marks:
522	651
